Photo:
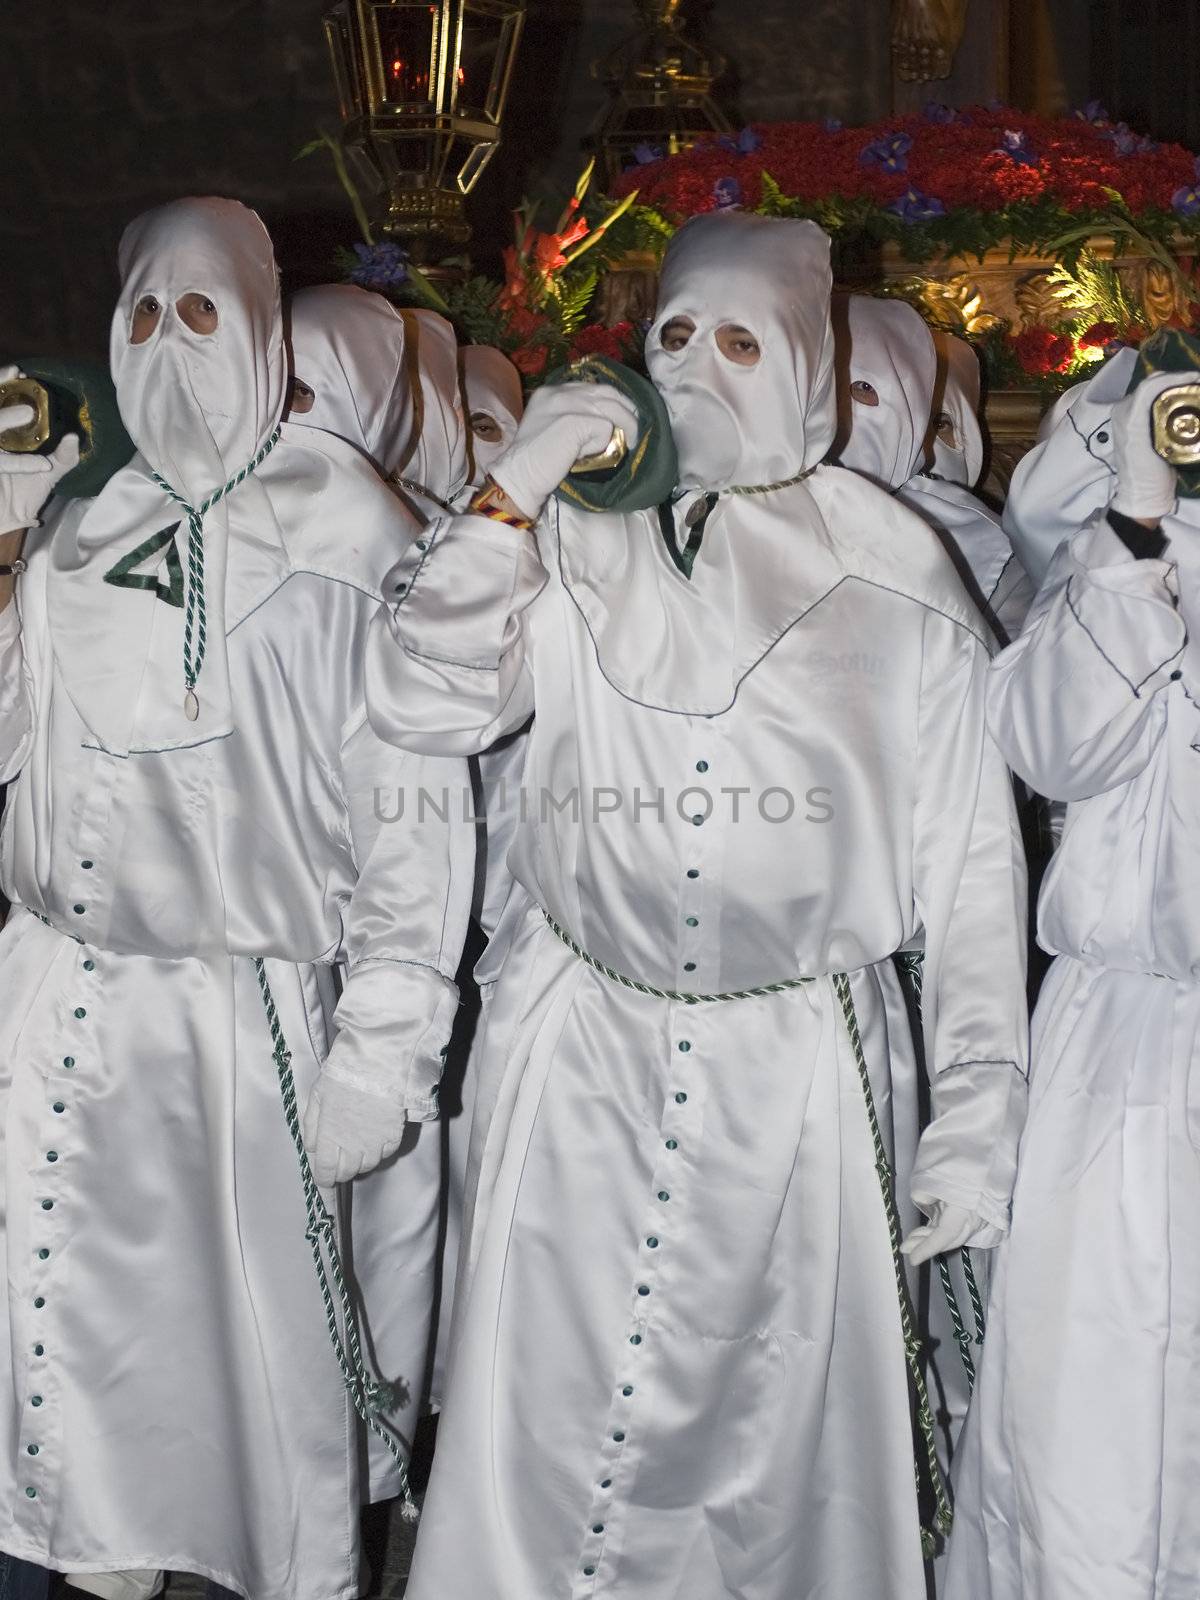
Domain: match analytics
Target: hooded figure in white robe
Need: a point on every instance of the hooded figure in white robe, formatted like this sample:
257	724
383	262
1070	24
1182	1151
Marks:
678	1368
890	371
1078	1464
493	403
193	836
349	354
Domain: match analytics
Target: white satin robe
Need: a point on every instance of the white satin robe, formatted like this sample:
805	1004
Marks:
976	542
1078	1477
677	1368
170	1397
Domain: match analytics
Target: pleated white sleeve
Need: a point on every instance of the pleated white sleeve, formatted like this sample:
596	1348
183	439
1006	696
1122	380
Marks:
970	884
414	842
1075	703
446	669
16	704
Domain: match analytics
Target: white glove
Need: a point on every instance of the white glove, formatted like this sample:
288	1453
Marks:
562	423
348	1131
27	481
1146	485
949	1228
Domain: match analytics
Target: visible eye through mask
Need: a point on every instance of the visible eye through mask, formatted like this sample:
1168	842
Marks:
196	310
735	342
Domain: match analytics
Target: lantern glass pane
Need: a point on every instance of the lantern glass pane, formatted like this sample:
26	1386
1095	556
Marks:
483	60
407	38
339	38
477	158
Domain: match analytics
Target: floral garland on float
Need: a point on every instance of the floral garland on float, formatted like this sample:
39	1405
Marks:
1043	240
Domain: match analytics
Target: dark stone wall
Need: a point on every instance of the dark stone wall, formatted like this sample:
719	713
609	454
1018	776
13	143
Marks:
111	106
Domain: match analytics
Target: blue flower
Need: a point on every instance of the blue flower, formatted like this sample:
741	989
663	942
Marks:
745	144
1124	142
1016	146
913	206
890	153
1186	201
380	266
1196	167
935	111
833	124
645	153
1093	112
728	193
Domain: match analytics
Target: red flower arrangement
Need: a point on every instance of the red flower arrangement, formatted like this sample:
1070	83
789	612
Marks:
985	173
1041	351
595	339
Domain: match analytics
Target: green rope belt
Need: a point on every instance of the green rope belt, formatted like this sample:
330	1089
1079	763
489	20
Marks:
943	1516
678	995
368	1396
195	622
769	488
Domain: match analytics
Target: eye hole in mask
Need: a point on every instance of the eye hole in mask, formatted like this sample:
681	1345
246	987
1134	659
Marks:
196	311
944	431
146	316
736	344
864	393
484	426
301	398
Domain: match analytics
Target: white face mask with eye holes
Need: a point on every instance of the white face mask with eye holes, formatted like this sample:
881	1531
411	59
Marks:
892	372
348	349
746	424
492	388
199	405
958	448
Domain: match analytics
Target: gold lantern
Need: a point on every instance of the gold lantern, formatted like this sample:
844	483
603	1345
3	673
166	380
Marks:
421	86
660	85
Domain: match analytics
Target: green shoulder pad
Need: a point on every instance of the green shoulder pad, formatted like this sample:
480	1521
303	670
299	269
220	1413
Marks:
84	401
650	469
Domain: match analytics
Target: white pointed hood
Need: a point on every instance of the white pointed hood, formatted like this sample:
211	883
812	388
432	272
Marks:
889	347
958	398
201	409
747	425
348	347
491	384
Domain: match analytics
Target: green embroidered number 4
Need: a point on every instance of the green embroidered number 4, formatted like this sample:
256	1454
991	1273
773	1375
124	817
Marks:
124	576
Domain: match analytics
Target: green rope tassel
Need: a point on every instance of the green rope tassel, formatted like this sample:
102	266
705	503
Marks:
368	1396
976	1298
943	1516
961	1337
912	964
195	619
